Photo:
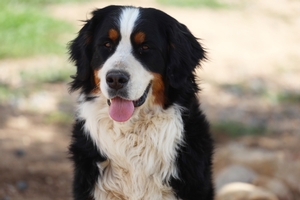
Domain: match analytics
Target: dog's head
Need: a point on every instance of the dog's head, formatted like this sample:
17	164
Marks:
127	54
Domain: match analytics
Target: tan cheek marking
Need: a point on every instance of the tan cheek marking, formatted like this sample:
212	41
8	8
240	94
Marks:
97	82
158	89
139	37
113	34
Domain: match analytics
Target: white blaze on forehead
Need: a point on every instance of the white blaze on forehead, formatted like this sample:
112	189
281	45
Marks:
123	59
127	21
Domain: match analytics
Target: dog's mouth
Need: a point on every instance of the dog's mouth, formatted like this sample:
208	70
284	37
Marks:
121	109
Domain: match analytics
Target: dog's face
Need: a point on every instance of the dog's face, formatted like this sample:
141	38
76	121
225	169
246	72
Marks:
127	54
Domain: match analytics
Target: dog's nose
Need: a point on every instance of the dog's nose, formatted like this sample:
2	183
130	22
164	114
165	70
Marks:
117	79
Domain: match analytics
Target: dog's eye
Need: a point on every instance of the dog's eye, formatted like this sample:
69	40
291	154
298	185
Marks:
107	44
145	47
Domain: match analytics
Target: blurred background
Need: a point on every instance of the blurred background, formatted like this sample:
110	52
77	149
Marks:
250	93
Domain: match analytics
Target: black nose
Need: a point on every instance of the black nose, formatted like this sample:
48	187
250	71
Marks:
117	79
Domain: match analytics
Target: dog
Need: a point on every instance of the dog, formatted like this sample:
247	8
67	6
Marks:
139	132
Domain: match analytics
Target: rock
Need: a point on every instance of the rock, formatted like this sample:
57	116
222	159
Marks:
289	173
244	191
20	152
234	173
261	160
22	185
274	185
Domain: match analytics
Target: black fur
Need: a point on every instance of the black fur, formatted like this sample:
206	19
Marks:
85	156
176	55
83	49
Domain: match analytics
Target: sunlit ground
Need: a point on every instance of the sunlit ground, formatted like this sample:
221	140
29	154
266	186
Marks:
250	91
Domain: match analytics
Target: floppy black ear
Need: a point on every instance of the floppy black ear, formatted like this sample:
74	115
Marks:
81	48
185	53
80	52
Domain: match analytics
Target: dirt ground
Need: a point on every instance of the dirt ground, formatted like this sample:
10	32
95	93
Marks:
252	77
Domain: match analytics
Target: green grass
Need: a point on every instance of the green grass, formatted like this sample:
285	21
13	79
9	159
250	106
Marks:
28	31
281	97
193	3
236	129
47	75
35	80
37	2
243	88
274	96
4	92
7	93
59	117
289	97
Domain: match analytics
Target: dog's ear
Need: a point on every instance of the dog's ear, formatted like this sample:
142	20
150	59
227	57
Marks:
81	49
185	53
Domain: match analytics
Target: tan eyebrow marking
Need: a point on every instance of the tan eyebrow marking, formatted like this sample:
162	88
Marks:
113	34
139	37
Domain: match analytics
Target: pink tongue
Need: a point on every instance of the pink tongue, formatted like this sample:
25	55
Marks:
121	110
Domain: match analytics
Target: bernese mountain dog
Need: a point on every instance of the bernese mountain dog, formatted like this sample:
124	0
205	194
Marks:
139	132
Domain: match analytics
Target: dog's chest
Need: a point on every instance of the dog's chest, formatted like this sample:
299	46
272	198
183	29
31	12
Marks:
135	169
141	153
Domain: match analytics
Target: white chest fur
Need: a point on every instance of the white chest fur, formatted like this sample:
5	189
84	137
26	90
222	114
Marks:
141	152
